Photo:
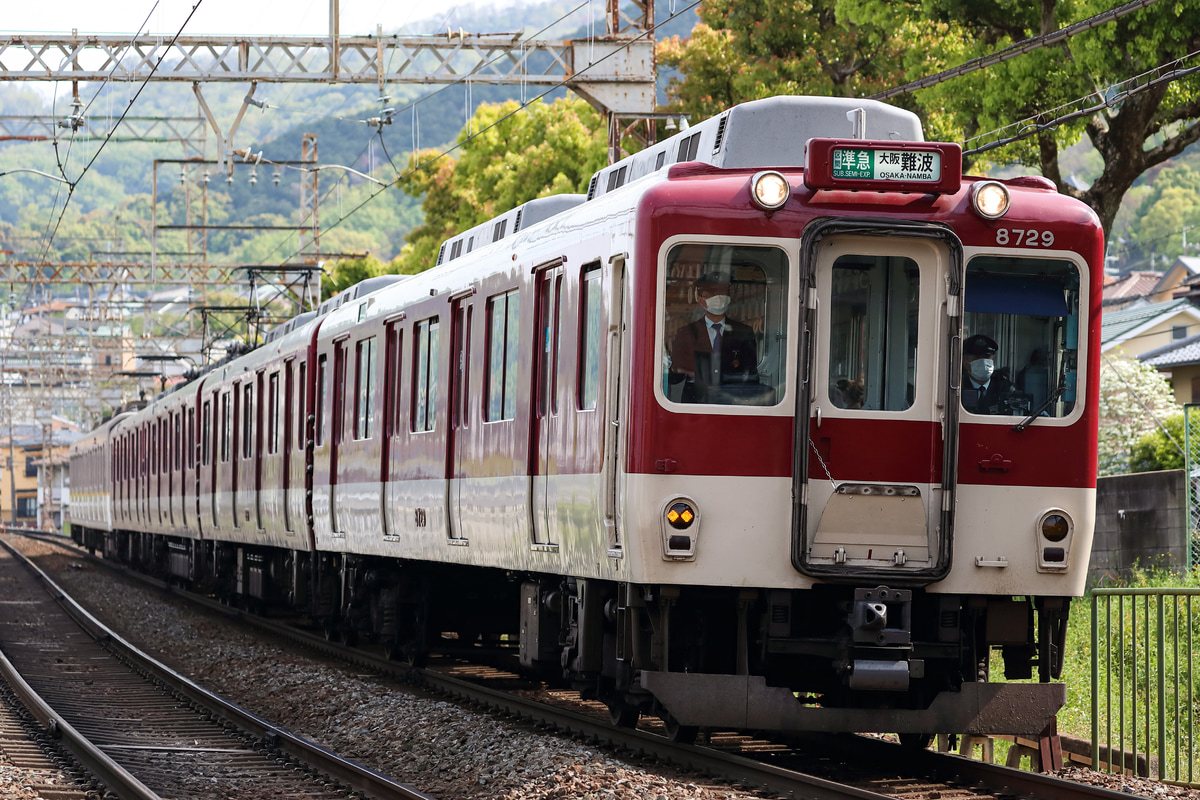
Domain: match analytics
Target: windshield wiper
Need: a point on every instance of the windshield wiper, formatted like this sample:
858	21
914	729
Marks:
1037	412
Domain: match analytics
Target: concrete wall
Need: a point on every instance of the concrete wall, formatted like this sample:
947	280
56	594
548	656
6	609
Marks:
1140	518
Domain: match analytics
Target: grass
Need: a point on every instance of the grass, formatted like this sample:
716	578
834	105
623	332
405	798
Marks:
1131	663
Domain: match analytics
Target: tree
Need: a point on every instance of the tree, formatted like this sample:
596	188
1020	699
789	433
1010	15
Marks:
505	159
1132	396
853	47
1156	450
749	49
1171	206
347	272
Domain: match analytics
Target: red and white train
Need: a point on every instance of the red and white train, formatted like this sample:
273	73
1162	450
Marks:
701	442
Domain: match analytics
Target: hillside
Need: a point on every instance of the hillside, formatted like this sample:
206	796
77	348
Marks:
111	207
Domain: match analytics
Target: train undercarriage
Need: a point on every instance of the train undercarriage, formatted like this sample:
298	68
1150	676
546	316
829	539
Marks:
833	658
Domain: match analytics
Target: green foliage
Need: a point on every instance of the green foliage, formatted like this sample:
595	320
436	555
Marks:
347	272
505	159
746	50
1155	451
1131	395
743	51
1171	204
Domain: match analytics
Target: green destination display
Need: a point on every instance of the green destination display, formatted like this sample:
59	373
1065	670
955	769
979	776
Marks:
887	165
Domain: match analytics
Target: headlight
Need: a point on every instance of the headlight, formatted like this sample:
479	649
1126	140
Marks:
770	190
990	199
1055	527
1053	545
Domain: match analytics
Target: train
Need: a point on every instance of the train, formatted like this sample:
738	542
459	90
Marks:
785	425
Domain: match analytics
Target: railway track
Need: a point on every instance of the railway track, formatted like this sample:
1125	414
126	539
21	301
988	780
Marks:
143	730
839	767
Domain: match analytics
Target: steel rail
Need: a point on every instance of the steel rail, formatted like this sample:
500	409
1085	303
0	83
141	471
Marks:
115	777
948	767
357	776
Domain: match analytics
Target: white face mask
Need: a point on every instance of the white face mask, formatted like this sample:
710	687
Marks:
717	304
981	369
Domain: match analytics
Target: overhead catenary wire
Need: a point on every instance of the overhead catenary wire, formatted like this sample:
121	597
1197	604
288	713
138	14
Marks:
521	107
113	130
1113	95
414	106
1018	49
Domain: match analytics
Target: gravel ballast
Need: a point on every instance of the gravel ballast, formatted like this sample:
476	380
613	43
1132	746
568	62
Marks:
434	745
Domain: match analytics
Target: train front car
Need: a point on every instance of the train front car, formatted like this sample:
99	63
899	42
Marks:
861	439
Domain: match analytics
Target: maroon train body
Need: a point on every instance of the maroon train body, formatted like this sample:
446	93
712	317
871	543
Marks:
815	520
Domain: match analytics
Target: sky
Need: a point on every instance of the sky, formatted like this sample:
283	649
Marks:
221	17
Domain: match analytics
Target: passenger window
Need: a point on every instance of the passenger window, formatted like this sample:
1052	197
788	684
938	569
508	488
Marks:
273	412
589	341
248	421
725	325
1020	337
503	341
874	307
425	363
322	385
205	432
364	390
225	427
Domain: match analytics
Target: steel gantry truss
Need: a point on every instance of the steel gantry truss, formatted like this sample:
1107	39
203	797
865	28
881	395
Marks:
191	132
614	71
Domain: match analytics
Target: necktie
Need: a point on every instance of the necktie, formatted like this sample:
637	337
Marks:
716	342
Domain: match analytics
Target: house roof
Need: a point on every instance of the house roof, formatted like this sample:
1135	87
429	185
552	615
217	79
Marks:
1117	327
1181	353
1135	284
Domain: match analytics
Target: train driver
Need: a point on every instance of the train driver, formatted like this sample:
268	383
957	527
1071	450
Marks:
715	355
984	389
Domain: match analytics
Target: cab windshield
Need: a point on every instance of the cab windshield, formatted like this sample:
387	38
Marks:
724	325
1020	336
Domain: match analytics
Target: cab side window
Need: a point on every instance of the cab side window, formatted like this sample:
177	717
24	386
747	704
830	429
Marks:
724	325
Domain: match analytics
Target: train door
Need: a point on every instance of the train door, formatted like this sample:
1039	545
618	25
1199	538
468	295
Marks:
337	429
461	314
221	437
880	457
392	425
285	465
256	449
546	422
593	315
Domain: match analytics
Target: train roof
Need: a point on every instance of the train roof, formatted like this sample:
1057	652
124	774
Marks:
772	132
507	224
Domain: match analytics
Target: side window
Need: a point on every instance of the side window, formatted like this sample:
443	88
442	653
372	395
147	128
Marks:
178	441
503	341
1020	336
322	382
301	406
725	324
248	420
425	374
273	413
588	390
874	315
226	427
364	389
396	342
205	432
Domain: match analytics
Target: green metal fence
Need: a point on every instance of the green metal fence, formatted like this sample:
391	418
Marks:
1144	672
1191	458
